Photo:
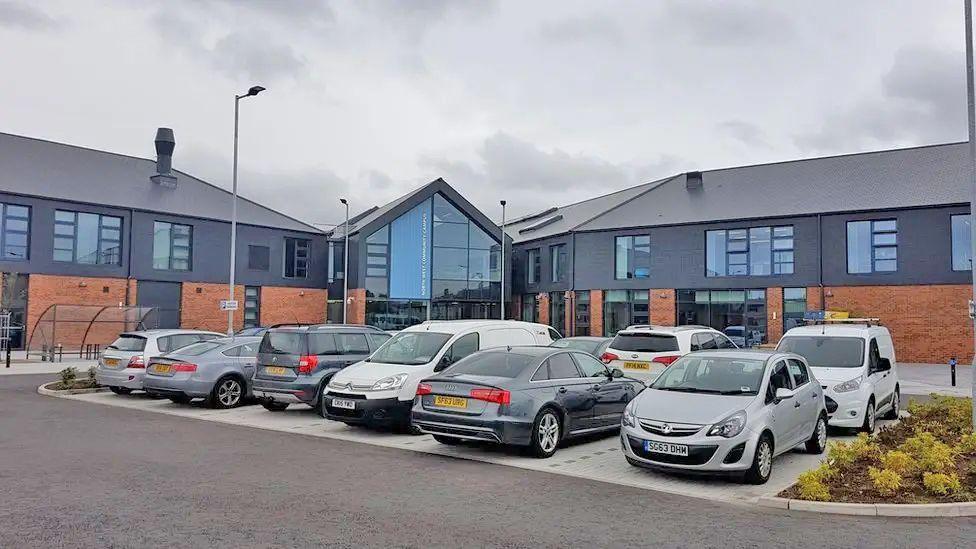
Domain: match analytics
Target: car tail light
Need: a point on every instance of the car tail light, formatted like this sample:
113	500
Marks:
666	359
184	367
136	362
498	396
424	389
607	358
307	363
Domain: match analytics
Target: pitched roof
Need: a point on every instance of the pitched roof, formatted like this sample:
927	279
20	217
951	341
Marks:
47	169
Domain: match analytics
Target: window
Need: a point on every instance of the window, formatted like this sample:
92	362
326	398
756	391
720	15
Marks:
14	232
826	351
758	251
702	341
582	316
962	235
622	308
644	343
632	257
464	346
248	350
172	244
322	344
258	258
590	366
87	238
779	379
558	258
352	344
252	306
534	266
557	311
794	306
497	364
561	366
465	259
530	310
799	372
739	314
296	257
872	246
378	263
170	343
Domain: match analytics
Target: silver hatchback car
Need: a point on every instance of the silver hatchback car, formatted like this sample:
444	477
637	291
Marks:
726	412
219	370
123	363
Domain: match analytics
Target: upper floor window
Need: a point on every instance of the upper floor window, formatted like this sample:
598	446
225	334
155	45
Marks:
558	259
757	251
633	257
172	244
962	241
14	231
87	238
296	257
872	246
534	266
258	258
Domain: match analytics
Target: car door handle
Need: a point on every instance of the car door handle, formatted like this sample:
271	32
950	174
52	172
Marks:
796	404
815	395
562	389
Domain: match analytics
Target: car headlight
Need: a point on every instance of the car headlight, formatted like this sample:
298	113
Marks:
730	426
848	386
387	383
629	418
333	384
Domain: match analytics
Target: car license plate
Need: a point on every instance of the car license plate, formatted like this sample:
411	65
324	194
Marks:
274	370
637	365
162	368
666	448
344	404
450	402
111	362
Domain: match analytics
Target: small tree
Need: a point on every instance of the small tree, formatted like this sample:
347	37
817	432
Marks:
68	376
91	376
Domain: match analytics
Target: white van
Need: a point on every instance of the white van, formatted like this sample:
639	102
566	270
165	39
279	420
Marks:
855	364
380	390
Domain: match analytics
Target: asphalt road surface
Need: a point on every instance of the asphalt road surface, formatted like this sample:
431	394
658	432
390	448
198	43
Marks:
74	474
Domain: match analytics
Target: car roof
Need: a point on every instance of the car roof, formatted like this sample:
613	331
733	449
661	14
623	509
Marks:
325	328
755	354
584	338
849	330
669	330
539	351
458	326
165	331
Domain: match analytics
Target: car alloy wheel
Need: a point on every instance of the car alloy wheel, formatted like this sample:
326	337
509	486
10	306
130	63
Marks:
765	459
822	432
870	417
548	433
229	393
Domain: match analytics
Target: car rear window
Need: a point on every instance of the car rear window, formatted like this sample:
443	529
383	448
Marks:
826	351
197	349
586	345
283	343
497	364
129	343
645	343
322	344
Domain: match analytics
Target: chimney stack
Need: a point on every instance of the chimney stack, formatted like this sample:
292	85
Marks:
693	181
165	143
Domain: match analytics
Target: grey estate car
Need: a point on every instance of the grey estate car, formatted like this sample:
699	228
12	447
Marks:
523	396
295	363
219	370
123	363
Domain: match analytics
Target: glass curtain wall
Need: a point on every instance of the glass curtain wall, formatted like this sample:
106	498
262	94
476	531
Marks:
622	308
530	309
582	313
557	311
794	306
740	314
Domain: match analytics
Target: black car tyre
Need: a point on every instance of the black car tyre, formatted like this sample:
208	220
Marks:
228	392
895	403
273	406
818	441
450	441
546	431
120	390
870	418
181	399
762	461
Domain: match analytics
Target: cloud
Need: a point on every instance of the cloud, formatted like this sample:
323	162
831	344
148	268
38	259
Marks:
239	54
716	23
591	28
25	16
922	100
745	133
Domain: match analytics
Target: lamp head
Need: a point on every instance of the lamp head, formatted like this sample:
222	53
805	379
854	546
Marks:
343	200
502	202
254	90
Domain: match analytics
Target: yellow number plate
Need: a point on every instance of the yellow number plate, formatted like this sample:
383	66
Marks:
275	370
450	402
113	362
637	365
162	368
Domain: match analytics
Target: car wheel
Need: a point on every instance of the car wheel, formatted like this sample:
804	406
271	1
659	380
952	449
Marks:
545	434
273	406
320	407
870	418
895	404
762	462
120	390
228	392
182	399
450	441
818	441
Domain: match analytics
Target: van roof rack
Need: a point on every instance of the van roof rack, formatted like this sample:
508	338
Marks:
867	321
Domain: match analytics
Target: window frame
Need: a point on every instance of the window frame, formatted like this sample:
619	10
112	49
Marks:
296	260
545	364
99	240
257	308
533	269
5	231
171	247
557	263
872	232
952	242
744	256
632	247
250	249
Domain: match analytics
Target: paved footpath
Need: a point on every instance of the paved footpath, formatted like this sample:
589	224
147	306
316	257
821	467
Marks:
78	474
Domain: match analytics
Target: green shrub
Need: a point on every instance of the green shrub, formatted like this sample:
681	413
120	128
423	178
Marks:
897	461
886	481
811	486
91	375
967	444
929	453
941	484
845	453
68	376
945	416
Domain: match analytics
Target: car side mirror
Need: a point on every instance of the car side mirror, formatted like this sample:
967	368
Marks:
883	365
784	394
616	373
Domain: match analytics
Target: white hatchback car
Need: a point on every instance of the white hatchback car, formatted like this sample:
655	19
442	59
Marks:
122	365
856	366
643	352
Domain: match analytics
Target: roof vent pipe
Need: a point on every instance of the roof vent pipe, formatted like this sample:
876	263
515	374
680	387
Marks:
165	143
693	181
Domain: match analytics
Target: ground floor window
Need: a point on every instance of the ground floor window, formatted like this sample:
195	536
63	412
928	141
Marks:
740	314
557	311
252	306
530	310
622	308
333	311
394	314
13	300
794	306
581	318
465	310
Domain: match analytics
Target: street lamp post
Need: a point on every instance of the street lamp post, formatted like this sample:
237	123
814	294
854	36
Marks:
971	108
254	90
502	266
345	262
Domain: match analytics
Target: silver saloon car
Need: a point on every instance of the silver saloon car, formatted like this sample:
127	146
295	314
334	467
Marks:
219	370
726	412
123	363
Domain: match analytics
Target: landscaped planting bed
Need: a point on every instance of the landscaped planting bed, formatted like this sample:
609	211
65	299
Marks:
929	457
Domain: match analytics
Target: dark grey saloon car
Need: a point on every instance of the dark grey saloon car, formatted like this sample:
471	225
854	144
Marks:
524	396
296	362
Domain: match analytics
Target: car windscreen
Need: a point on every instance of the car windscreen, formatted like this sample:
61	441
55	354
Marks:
712	375
197	349
645	343
129	343
826	351
586	345
496	364
283	343
411	348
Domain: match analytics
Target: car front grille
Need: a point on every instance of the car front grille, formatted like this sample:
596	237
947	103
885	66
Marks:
346	395
697	454
666	429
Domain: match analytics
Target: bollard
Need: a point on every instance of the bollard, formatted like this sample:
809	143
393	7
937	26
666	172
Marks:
952	370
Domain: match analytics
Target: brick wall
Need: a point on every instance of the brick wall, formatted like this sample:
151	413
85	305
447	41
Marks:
280	305
46	290
200	306
814	303
356	306
774	315
928	323
543	304
596	313
662	306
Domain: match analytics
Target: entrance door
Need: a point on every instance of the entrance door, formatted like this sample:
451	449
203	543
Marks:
13	299
165	297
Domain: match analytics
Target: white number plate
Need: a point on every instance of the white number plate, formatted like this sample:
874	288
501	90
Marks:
666	448
344	404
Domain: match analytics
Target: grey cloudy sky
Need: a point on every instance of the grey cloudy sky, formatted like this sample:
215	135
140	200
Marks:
542	103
